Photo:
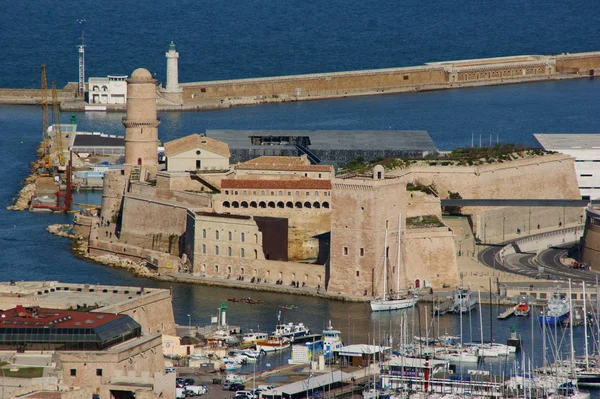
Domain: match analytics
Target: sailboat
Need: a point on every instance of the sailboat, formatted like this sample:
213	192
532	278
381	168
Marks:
397	300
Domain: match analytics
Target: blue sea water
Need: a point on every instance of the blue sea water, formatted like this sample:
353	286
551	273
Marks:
224	40
242	39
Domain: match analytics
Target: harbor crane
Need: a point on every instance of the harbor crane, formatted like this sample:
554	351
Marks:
57	130
44	89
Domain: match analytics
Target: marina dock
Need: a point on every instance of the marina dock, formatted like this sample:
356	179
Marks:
507	313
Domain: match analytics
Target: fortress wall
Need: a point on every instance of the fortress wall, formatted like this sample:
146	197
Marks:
496	224
112	194
153	225
429	254
419	203
591	249
232	267
153	310
582	62
316	83
545	177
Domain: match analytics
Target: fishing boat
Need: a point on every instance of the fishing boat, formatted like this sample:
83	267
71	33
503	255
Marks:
253	336
463	300
522	309
556	311
288	307
398	299
272	344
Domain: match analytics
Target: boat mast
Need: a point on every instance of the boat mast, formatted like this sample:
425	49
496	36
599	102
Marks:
399	253
585	333
480	318
385	266
571	327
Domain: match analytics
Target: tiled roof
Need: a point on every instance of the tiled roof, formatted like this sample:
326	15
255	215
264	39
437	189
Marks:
266	159
290	167
196	141
277	184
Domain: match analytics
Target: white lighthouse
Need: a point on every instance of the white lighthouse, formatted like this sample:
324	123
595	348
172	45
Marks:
172	70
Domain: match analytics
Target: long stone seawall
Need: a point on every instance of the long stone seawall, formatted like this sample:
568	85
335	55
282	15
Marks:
432	76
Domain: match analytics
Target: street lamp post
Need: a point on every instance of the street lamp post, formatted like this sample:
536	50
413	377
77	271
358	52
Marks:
189	325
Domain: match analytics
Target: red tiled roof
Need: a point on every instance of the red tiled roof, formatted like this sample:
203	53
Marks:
36	317
277	184
279	166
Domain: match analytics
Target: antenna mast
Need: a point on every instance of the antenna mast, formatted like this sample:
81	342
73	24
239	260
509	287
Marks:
81	84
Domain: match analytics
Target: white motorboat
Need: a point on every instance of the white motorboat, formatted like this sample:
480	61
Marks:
289	331
464	300
464	355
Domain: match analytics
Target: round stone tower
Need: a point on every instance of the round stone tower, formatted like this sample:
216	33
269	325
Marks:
172	70
141	126
112	193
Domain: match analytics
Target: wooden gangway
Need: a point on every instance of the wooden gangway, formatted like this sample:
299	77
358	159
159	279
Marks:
507	313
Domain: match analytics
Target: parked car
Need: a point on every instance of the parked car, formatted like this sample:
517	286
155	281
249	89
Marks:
169	370
249	394
236	386
180	393
195	390
179	382
188	381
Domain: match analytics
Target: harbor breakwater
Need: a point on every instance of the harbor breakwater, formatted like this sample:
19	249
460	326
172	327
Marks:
431	76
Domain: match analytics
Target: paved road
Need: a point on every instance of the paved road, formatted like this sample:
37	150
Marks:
530	265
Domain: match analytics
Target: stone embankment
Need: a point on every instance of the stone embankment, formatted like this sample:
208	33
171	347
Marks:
80	250
23	199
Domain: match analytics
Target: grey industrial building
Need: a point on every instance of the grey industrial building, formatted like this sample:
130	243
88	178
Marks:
337	147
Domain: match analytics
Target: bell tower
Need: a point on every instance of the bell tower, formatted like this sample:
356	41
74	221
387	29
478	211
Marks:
141	126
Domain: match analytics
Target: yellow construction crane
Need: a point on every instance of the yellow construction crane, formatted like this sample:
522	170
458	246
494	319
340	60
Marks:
57	132
45	118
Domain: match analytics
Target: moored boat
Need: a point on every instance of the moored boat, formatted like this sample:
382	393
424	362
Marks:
463	300
272	344
522	309
557	310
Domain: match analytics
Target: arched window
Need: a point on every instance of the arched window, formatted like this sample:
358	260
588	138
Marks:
228	251
226	204
203	233
217	268
243	237
216	249
316	205
271	204
262	192
244	192
316	193
216	234
244	204
242	252
203	248
242	271
307	204
235	204
229	235
253	204
256	238
280	204
262	204
297	192
326	205
298	204
289	204
280	193
256	254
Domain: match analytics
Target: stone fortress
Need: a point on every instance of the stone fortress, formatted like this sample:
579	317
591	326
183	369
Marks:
282	220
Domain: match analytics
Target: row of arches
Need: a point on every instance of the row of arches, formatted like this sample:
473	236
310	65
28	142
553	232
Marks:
275	205
499	74
266	275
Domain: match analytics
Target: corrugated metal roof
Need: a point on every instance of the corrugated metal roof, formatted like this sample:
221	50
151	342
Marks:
568	141
312	383
418	140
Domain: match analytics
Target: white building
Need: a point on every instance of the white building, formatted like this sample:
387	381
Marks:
196	152
109	90
585	148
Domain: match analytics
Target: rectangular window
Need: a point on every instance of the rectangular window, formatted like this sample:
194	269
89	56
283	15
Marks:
203	90
73	372
586	175
357	273
198	164
345	250
405	77
362	252
99	372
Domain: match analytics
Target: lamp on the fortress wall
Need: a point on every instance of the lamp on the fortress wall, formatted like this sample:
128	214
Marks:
189	325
